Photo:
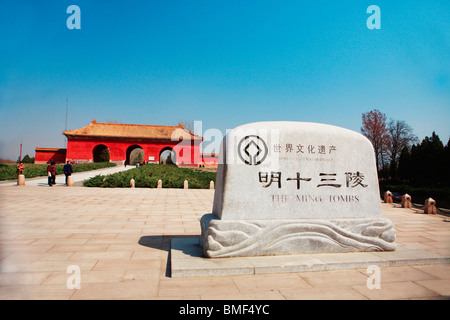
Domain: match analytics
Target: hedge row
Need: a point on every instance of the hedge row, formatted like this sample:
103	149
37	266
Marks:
9	172
147	176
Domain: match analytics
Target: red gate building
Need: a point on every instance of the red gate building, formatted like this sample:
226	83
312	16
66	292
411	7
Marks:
116	142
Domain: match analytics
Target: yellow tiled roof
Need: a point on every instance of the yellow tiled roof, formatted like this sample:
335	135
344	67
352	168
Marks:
95	129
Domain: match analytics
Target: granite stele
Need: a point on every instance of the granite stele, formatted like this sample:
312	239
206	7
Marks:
292	188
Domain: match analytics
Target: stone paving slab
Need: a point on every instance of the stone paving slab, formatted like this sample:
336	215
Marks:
121	241
187	261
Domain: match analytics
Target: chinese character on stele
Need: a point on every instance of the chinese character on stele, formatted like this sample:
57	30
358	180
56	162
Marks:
352	179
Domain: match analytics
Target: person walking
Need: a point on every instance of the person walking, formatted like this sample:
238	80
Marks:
68	170
51	173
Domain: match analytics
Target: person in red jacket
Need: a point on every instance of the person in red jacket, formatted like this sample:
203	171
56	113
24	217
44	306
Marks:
20	168
51	172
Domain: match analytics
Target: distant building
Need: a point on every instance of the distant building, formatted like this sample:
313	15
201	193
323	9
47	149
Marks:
120	143
210	159
44	155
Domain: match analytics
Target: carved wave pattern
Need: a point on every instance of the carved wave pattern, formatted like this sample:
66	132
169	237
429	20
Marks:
223	238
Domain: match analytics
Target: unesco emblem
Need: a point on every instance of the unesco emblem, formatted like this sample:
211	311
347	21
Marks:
252	150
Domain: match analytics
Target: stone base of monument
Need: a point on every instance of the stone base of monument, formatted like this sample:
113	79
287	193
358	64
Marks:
187	260
240	238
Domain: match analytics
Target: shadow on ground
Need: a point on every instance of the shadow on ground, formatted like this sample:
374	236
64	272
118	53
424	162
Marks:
162	243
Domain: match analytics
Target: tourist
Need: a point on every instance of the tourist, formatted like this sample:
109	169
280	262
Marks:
51	172
67	170
20	168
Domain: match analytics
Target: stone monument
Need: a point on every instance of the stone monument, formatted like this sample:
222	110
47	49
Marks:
292	188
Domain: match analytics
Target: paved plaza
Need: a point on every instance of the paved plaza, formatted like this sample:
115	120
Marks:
120	241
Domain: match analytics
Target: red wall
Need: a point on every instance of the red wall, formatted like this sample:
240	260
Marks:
44	156
81	149
209	160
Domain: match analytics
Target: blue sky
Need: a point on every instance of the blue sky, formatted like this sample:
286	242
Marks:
225	63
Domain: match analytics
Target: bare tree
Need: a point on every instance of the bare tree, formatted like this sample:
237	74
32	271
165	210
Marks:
400	136
374	128
188	125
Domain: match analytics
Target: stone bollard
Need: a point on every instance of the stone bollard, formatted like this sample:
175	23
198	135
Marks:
20	180
159	186
430	206
406	201
186	184
70	182
132	183
211	185
388	197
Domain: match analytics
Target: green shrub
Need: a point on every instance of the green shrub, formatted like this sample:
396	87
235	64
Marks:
147	176
9	172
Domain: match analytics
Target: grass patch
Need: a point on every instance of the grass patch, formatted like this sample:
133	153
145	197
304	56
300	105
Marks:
147	176
8	171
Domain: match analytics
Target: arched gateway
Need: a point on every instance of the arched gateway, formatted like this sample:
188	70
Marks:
135	154
100	153
167	155
128	142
